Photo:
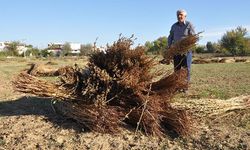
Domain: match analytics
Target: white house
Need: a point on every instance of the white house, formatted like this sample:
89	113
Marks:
2	46
55	48
21	48
75	47
58	47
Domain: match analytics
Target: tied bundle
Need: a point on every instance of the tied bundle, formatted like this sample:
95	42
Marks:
114	91
180	47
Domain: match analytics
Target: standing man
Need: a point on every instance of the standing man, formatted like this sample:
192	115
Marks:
180	30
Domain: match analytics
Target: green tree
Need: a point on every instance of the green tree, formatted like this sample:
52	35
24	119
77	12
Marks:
148	45
235	41
157	46
248	43
66	49
12	48
199	49
210	47
86	49
45	53
32	51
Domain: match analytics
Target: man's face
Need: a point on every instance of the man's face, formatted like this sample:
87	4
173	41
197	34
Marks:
181	17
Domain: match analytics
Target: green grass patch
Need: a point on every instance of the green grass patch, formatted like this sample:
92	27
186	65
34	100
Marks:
221	80
218	80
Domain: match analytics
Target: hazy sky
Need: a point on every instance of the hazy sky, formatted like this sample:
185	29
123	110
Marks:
39	22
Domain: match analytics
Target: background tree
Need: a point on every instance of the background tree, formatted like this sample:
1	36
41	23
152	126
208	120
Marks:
32	51
235	41
199	49
148	45
211	48
12	48
66	49
248	45
45	53
157	46
86	49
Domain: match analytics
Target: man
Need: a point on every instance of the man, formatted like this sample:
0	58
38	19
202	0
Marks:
180	30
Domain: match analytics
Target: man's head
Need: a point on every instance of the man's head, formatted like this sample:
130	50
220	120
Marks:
181	15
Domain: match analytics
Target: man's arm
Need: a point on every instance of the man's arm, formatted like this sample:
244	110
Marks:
191	29
171	37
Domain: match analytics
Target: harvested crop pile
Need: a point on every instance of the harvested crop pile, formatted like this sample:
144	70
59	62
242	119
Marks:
201	61
45	70
42	70
116	90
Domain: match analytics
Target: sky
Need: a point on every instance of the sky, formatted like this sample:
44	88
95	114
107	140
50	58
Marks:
39	22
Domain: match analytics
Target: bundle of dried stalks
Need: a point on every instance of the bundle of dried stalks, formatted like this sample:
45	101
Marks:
29	84
104	119
40	70
115	89
201	61
175	82
180	47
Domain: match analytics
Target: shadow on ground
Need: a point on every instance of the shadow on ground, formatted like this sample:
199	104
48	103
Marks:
38	107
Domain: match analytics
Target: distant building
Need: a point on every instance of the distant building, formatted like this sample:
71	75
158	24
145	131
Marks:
75	47
2	46
57	48
21	48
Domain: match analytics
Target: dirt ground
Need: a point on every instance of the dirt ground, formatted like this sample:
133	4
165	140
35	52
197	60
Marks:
28	122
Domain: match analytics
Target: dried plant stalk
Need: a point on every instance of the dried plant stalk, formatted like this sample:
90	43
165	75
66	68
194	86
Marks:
180	47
